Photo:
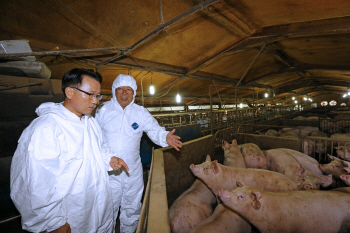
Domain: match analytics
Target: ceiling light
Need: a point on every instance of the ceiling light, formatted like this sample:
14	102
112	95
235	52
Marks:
305	98
241	105
178	98
296	102
345	95
266	94
293	98
151	89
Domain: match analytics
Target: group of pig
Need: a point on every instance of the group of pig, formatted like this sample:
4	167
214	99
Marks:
275	190
316	145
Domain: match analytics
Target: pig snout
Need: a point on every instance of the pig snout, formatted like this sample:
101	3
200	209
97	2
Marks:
308	187
224	195
192	166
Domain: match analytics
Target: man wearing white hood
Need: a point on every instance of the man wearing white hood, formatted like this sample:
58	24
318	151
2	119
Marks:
123	123
59	179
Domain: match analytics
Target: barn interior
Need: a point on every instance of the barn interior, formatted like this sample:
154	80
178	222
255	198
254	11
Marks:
220	69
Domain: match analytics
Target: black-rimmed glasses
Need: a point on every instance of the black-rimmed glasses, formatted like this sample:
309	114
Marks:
91	96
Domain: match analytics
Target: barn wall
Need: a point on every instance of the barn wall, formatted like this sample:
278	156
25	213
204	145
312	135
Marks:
176	164
171	176
18	107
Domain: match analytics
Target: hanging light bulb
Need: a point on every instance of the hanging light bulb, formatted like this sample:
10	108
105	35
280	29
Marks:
305	98
178	98
310	100
345	95
296	102
266	94
151	89
293	98
349	93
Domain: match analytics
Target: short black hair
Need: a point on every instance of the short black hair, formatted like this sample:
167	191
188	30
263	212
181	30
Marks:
74	77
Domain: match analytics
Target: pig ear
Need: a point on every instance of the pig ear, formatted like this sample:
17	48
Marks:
255	196
215	167
347	169
234	142
300	170
326	180
346	163
332	157
239	184
208	159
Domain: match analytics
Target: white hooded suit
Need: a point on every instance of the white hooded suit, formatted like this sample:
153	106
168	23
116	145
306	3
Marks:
123	129
59	173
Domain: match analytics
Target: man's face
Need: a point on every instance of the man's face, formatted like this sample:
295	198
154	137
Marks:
82	103
124	95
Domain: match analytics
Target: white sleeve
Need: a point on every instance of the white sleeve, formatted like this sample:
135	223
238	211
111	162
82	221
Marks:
107	154
35	181
106	151
154	131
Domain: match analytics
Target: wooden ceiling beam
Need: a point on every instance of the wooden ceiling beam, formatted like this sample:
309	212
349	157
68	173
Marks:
340	25
231	18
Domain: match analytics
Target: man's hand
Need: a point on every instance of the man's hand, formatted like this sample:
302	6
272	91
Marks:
63	229
117	163
173	140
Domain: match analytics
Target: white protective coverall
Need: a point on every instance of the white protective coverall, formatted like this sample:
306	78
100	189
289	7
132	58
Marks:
59	173
123	130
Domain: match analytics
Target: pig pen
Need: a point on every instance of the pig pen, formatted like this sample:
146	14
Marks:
169	177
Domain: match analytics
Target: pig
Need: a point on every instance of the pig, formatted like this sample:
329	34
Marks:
309	146
318	134
312	118
341	137
336	167
232	154
346	179
253	156
223	220
282	161
307	162
192	207
271	132
289	212
301	131
343	152
218	176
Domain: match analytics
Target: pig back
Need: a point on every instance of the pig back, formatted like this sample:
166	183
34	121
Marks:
223	220
305	160
192	207
253	156
258	178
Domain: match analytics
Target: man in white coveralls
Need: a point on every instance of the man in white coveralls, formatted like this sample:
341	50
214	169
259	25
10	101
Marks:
123	123
59	178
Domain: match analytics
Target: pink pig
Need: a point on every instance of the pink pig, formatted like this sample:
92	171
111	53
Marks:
253	156
218	177
289	212
192	207
232	154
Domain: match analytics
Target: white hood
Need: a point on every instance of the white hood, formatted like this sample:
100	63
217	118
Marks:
124	80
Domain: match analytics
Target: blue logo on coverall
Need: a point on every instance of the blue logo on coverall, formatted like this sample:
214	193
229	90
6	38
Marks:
135	126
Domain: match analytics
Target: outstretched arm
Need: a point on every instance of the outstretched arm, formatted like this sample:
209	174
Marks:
173	140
